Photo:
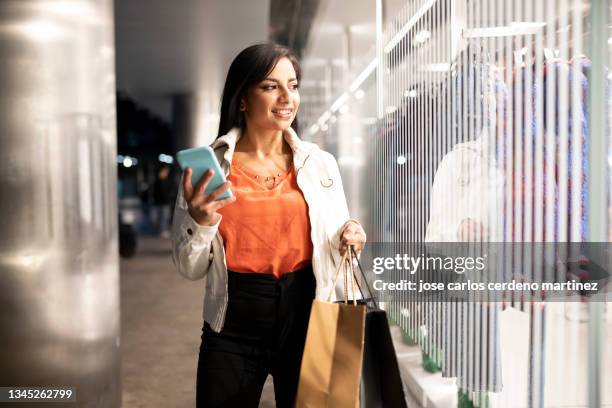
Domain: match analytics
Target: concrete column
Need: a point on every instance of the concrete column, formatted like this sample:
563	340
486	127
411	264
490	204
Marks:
59	296
182	122
195	119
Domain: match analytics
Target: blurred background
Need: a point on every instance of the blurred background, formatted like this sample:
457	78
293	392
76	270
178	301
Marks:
98	96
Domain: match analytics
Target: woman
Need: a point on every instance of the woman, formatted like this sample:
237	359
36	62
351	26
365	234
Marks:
267	252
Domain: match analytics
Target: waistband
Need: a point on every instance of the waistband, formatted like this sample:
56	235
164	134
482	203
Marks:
236	280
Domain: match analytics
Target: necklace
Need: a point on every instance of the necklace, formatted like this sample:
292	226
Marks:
269	181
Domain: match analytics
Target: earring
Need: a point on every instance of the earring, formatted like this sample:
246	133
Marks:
242	107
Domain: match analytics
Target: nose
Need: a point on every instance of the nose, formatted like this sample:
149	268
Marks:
285	94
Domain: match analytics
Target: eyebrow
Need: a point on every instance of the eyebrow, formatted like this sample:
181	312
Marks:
278	81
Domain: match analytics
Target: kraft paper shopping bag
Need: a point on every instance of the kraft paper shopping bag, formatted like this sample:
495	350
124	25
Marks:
332	359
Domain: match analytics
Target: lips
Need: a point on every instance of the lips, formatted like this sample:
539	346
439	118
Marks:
283	113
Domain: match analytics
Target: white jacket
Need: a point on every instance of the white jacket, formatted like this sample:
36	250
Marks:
467	184
198	251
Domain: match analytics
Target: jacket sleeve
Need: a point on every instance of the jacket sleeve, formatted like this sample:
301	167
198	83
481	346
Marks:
338	221
340	213
191	242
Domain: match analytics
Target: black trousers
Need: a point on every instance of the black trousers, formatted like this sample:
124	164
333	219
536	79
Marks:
264	333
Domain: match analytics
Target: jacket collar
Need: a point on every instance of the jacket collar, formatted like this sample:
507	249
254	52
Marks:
301	149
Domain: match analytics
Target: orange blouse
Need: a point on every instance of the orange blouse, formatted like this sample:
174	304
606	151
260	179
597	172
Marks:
266	230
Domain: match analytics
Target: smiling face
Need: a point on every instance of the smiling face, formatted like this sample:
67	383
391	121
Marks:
273	103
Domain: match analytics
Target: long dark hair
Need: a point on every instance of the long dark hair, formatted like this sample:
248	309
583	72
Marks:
250	67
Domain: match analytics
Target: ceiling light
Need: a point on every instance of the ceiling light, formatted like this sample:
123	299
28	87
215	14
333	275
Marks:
369	121
165	158
514	29
410	93
421	37
390	109
363	75
338	102
408	26
37	30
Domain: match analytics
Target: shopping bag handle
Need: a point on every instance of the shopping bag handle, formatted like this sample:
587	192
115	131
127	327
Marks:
363	276
348	270
336	277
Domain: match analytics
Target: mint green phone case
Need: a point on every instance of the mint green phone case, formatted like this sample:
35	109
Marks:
200	159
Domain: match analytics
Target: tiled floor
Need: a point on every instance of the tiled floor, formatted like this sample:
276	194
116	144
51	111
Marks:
161	326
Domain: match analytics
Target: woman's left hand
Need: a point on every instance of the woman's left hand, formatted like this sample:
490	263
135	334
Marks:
352	234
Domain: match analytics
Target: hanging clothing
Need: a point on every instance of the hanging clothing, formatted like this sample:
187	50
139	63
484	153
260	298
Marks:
467	185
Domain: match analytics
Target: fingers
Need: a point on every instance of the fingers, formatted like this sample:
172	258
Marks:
357	246
187	187
203	183
352	240
220	190
223	203
353	235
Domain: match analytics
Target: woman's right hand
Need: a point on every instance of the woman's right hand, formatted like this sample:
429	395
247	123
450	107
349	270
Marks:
203	208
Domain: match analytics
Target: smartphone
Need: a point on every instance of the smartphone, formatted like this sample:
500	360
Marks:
200	159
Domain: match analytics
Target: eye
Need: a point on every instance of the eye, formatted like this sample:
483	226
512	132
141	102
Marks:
268	87
295	86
